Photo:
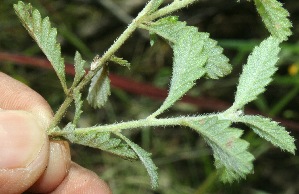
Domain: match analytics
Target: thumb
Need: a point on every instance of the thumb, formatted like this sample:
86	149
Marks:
23	151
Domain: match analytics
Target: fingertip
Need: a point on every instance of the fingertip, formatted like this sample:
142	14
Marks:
30	144
82	181
57	169
15	95
21	139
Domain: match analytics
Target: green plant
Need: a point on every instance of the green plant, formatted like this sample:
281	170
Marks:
195	56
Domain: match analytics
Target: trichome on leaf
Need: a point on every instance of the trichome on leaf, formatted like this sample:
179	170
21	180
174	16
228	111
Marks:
196	55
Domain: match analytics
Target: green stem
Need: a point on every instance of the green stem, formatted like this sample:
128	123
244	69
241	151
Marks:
98	64
176	5
148	122
60	112
142	16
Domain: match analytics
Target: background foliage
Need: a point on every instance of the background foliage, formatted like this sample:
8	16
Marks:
185	163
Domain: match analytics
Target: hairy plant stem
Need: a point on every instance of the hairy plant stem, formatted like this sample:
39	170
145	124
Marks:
148	122
98	64
69	99
152	122
176	5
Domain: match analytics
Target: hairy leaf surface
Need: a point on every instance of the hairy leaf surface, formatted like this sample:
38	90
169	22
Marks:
78	106
44	35
100	140
120	61
79	68
195	55
145	159
275	18
230	152
257	72
155	5
271	131
99	89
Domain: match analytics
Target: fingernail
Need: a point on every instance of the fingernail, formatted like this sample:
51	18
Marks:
21	139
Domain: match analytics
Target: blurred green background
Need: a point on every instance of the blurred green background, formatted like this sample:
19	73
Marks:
185	163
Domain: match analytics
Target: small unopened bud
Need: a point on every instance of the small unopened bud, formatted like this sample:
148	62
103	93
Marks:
94	63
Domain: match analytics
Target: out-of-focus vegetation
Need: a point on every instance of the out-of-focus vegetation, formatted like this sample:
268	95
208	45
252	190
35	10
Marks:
185	163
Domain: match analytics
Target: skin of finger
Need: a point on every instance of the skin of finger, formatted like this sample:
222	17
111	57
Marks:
18	180
58	167
82	181
15	95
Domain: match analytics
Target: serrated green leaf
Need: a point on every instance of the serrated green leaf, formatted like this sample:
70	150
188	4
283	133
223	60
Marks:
271	131
99	140
120	61
257	73
218	64
155	5
79	68
112	143
275	18
78	106
145	159
99	89
45	36
230	152
195	55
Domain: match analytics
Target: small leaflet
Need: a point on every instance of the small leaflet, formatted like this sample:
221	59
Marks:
232	158
99	89
78	106
275	18
120	61
270	131
155	5
79	68
45	36
257	73
145	158
99	140
195	55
